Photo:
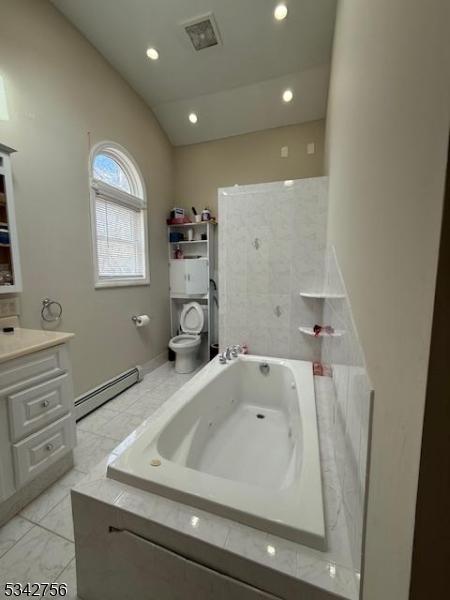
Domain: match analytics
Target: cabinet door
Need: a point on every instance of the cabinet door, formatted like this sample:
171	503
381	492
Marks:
196	277
177	277
132	567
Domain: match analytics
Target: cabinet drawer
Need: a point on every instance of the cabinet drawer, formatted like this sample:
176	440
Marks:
38	451
37	406
31	369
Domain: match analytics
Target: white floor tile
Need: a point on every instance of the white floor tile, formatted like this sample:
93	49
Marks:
144	406
91	449
154	397
96	419
43	504
59	519
120	426
121	402
12	532
37	557
148	383
69	577
164	392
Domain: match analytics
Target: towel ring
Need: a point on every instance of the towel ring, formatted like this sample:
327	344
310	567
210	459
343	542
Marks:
47	313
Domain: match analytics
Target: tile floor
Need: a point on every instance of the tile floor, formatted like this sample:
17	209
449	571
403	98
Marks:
37	544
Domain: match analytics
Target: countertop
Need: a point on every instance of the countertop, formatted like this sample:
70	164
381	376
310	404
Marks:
26	341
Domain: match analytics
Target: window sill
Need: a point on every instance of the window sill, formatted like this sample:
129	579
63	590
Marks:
121	283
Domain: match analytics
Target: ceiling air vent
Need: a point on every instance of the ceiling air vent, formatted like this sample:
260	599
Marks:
203	32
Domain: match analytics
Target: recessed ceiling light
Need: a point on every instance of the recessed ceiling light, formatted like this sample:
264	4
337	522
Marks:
280	12
287	95
193	118
153	53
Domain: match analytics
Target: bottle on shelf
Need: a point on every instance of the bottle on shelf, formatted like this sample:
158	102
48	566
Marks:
206	214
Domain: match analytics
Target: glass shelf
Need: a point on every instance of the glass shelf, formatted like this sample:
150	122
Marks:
321	295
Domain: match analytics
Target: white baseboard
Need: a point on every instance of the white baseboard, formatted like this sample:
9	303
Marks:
94	398
91	400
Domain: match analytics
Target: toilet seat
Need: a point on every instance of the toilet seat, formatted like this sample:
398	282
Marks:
185	340
186	345
192	318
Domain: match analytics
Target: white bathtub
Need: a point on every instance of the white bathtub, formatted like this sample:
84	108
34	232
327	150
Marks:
238	443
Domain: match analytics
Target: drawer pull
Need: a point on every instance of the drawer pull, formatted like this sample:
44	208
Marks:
45	403
49	447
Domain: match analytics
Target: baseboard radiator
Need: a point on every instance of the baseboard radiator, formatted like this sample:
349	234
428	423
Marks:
94	398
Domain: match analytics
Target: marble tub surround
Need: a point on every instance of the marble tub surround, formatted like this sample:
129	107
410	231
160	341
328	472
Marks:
271	564
272	240
352	408
25	341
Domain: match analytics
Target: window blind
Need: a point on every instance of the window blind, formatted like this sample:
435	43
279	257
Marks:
120	240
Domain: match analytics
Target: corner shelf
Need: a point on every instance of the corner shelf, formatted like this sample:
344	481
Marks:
310	331
188	258
321	295
190	242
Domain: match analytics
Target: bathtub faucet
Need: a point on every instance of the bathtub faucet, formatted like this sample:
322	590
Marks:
222	358
235	350
232	352
229	353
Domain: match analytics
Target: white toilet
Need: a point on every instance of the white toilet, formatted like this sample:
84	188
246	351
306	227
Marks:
186	345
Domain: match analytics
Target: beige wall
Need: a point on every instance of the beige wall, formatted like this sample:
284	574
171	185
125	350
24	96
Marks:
387	135
59	88
251	158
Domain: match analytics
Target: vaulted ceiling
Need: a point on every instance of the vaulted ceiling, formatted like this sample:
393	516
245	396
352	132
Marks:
235	86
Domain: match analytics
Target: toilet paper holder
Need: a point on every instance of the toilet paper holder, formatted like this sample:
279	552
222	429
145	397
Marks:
137	318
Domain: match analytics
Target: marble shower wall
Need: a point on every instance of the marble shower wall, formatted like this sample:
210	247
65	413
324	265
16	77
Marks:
272	240
352	406
272	245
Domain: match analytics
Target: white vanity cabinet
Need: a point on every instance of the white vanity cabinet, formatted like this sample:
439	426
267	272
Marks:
37	422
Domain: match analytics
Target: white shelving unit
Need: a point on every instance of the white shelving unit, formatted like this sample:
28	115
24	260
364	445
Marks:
193	250
11	277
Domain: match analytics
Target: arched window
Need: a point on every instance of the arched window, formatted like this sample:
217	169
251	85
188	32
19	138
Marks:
119	218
